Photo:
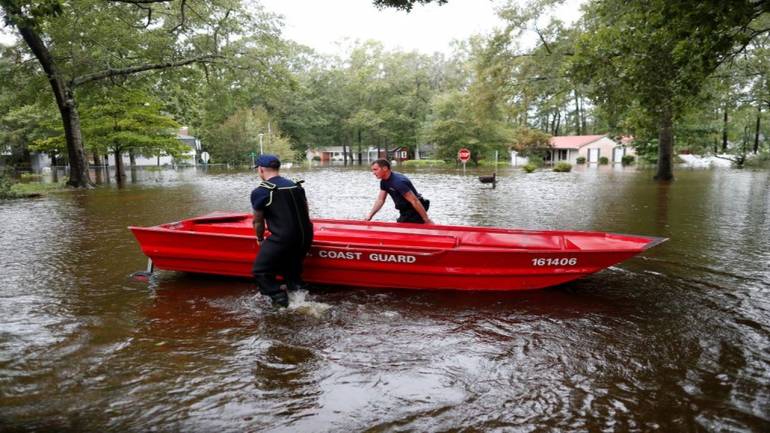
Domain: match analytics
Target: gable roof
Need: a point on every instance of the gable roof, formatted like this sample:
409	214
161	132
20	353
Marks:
574	141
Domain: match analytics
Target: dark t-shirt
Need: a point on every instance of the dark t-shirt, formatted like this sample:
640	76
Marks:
396	186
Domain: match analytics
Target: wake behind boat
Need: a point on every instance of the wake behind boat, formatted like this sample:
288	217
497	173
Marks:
397	255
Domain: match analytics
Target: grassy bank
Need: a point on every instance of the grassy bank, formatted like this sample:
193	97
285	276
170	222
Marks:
9	190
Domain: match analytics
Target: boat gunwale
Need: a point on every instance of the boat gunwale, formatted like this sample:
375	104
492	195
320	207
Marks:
458	248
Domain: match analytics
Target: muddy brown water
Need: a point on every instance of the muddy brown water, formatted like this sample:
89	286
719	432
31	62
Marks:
677	339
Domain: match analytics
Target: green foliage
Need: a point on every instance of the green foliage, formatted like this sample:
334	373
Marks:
536	160
603	160
30	176
530	167
424	163
581	160
649	60
122	120
453	126
5	188
762	161
35	189
24	125
531	142
406	5
627	159
236	141
562	167
647	150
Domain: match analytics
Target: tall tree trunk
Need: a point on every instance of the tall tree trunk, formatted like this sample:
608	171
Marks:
577	113
120	170
97	168
65	102
107	167
54	171
756	131
360	151
132	164
665	147
724	132
344	154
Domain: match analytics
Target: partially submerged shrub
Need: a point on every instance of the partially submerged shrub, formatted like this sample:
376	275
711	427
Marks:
31	176
581	160
536	160
562	167
604	160
424	163
627	159
5	188
530	167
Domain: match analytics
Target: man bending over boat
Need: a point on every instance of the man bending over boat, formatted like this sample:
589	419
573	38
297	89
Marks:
410	204
281	204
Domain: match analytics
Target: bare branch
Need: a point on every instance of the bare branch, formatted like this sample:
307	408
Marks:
182	20
542	39
110	73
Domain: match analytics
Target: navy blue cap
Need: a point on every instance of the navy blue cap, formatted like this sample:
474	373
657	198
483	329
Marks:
269	161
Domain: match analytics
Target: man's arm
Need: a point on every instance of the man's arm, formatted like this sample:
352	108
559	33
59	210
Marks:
377	205
259	226
411	198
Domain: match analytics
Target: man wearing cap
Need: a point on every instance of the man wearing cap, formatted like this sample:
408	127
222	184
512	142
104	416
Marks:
281	204
410	204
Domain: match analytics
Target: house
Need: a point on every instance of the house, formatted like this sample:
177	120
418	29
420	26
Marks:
189	157
399	153
568	148
41	161
331	154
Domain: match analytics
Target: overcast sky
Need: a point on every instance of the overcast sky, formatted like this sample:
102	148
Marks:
326	25
322	25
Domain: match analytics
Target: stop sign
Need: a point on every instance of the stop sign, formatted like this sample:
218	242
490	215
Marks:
464	155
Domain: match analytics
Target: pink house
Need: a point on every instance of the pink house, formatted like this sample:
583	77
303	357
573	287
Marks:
591	147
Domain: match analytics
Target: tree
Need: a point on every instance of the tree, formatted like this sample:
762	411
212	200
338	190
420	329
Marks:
656	55
237	139
124	37
453	125
406	5
123	120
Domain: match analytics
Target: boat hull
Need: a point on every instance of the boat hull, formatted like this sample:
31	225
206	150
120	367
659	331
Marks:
363	254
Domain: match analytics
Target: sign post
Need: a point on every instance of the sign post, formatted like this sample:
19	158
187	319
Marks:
463	155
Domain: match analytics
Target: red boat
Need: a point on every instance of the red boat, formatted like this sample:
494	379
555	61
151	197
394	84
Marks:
393	255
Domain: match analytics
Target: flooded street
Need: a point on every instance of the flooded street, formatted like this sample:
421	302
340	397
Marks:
676	339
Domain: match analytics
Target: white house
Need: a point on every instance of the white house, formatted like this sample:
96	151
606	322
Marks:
189	157
591	147
334	153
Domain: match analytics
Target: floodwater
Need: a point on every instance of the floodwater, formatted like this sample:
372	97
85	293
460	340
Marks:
677	339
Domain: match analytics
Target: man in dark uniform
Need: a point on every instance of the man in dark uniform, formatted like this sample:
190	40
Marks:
281	204
411	206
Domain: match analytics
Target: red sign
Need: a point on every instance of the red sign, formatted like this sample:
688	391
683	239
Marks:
464	155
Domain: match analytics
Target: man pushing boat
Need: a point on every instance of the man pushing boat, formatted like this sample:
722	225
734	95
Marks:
412	207
283	205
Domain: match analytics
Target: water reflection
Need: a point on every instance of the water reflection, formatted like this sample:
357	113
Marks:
674	340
